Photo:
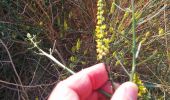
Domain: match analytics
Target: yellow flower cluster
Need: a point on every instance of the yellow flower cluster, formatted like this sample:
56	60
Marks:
141	88
121	27
161	31
147	34
101	34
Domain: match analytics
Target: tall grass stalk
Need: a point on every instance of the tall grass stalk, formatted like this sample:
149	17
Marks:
134	42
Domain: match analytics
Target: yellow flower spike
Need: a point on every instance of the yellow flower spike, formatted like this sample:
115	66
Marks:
99	57
98	17
99	44
101	12
106	41
102	46
99	35
99	22
106	50
141	88
103	53
103	27
97	27
102	18
100	8
99	50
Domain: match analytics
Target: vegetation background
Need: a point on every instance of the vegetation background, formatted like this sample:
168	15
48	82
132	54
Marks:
68	28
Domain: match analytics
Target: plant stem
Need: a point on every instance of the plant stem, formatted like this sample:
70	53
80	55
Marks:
134	42
52	57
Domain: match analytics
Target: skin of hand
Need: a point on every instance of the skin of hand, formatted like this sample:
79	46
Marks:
84	85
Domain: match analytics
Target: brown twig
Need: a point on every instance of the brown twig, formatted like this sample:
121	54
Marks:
13	66
26	86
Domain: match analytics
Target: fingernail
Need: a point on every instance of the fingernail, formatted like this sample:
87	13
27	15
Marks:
131	91
126	91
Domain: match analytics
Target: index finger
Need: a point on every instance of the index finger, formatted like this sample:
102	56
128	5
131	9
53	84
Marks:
84	82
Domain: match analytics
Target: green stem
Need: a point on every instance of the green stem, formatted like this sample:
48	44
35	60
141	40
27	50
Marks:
134	42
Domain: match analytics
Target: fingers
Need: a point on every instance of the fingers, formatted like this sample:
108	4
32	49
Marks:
126	91
63	93
107	87
82	84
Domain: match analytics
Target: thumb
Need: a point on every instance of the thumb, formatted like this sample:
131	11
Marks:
126	91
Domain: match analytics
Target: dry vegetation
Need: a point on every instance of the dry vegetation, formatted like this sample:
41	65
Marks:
68	28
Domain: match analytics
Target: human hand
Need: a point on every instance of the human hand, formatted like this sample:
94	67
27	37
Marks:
84	85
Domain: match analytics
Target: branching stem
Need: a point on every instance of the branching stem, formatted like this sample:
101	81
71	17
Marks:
51	57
